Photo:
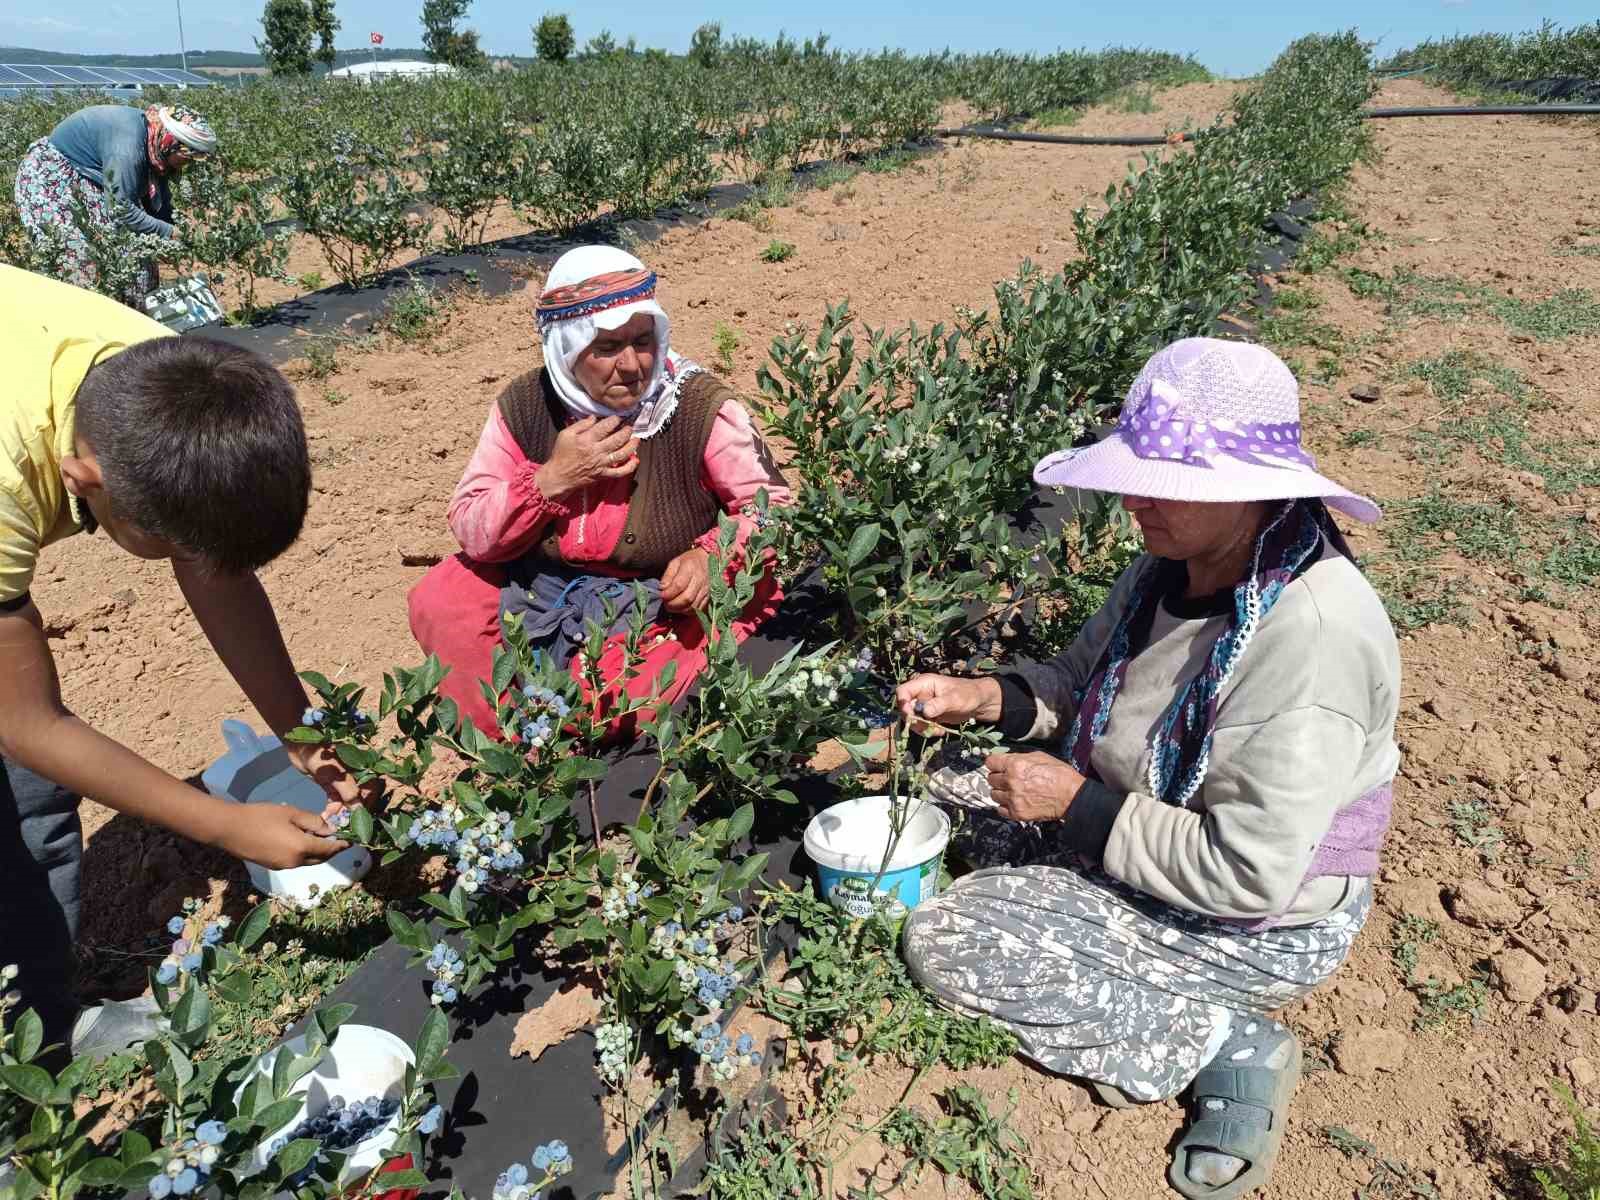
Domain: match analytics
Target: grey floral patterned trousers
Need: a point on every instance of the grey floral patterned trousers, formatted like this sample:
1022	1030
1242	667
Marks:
1105	982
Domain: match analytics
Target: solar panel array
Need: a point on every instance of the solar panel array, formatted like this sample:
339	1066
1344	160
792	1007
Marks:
19	78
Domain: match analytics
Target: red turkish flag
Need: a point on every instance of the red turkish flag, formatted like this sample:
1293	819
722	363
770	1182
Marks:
377	39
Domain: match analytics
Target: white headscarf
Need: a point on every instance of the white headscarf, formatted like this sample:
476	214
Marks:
567	337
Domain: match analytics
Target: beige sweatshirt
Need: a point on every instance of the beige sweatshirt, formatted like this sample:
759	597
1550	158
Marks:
1304	727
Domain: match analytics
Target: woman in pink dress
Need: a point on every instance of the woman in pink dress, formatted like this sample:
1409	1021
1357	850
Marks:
610	464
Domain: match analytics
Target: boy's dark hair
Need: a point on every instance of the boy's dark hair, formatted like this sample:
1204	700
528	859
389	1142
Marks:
200	443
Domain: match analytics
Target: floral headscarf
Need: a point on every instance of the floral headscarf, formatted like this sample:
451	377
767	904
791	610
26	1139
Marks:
171	130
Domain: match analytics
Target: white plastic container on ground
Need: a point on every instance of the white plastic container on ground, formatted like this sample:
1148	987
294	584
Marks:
846	842
363	1061
256	770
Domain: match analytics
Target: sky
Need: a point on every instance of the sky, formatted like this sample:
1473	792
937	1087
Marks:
1235	37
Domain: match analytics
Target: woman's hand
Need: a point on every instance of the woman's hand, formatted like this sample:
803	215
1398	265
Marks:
947	700
1033	786
686	583
588	450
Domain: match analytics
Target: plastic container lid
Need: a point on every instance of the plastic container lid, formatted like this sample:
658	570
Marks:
851	835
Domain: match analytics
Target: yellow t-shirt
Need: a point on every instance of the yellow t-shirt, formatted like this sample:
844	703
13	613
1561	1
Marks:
50	335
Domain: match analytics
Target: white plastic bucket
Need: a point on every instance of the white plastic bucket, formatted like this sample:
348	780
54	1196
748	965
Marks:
846	842
363	1061
256	770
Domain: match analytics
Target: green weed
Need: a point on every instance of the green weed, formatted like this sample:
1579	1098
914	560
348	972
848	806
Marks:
833	174
322	356
309	281
333	397
1473	822
1578	250
726	341
1391	1177
888	162
760	1162
1058	118
1579	1177
1441	1005
853	987
1356	438
1414	597
1133	100
1409	934
969	1142
1288	328
416	313
1574	560
777	252
1571	313
753	215
1480	531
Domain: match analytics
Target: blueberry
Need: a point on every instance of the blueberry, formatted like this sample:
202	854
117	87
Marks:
160	1187
175	926
212	1133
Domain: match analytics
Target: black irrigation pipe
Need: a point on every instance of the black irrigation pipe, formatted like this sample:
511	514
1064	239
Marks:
1488	110
1371	114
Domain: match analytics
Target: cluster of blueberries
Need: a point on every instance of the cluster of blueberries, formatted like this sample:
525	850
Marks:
338	1127
316	716
188	953
434	827
486	848
612	1042
541	727
481	851
551	1160
624	897
190	1166
445	965
722	1055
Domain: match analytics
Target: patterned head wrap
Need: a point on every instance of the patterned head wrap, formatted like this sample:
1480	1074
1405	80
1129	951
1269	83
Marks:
595	289
1180	746
169	131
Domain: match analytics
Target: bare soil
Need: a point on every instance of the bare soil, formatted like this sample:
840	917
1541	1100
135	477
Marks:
1500	710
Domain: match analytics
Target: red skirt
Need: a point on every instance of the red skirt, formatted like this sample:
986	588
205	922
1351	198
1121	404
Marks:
455	614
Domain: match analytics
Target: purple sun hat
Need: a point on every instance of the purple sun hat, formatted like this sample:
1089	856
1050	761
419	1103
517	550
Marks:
1206	420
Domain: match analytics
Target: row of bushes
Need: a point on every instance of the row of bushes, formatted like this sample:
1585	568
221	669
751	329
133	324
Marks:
927	437
1487	60
374	170
912	447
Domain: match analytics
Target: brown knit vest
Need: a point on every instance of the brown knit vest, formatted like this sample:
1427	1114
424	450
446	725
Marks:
670	507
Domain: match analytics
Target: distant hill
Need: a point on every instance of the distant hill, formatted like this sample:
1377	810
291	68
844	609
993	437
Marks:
234	59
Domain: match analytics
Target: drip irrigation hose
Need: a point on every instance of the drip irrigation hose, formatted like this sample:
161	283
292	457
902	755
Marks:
1488	110
1371	114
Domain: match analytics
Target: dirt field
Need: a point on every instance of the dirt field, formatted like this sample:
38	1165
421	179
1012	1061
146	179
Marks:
1477	458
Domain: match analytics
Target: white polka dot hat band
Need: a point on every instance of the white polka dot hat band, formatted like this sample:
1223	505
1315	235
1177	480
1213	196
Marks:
1206	420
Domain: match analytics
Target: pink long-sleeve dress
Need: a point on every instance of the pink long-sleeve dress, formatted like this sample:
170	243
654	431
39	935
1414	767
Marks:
498	514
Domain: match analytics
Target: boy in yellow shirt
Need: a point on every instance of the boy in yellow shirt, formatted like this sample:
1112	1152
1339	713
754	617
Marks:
183	449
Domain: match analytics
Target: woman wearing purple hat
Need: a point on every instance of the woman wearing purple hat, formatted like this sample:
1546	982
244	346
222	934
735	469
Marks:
1198	849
